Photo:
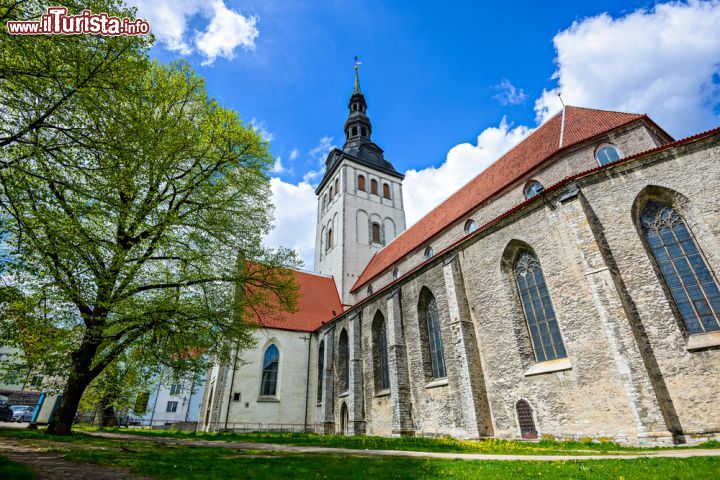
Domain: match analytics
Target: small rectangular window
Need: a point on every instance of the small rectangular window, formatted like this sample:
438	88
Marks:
175	389
236	397
171	407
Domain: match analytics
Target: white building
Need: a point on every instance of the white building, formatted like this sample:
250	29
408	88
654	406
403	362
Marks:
174	401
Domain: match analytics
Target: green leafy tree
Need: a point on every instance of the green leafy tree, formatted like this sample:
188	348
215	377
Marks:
144	228
44	78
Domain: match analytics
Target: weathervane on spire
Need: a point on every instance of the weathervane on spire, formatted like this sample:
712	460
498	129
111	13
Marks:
356	87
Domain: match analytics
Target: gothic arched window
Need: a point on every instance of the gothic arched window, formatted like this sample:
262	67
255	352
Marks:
429	316
682	266
337	185
343	362
324	205
382	369
361	183
320	368
331	194
386	190
607	154
329	243
376	232
538	309
395	273
271	360
374	186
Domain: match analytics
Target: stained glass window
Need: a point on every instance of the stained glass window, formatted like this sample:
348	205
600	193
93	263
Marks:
539	312
684	270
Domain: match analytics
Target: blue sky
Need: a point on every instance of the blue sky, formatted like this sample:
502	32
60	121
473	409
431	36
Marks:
450	87
429	71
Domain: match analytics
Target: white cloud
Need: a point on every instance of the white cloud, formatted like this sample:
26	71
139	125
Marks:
320	151
278	167
294	154
295	213
664	62
318	155
225	30
260	128
426	188
509	94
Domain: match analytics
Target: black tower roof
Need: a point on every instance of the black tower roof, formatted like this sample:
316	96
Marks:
358	147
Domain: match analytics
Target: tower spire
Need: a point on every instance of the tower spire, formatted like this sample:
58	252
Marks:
357	125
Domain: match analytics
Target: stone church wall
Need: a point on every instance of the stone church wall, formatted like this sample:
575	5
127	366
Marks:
631	374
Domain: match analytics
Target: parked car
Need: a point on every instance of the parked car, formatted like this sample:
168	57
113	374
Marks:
6	412
22	413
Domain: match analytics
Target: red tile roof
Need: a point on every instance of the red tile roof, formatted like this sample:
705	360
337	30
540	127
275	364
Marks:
580	124
317	300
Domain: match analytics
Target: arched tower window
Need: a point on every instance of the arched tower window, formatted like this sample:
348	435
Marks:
343	362
525	419
361	183
320	368
431	336
607	154
329	244
337	185
331	193
386	190
682	267
376	232
271	360
538	309
324	203
374	186
380	353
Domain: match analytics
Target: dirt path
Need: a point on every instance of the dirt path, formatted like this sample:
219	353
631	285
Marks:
52	466
670	453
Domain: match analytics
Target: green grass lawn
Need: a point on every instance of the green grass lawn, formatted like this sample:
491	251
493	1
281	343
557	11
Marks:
16	471
187	462
423	444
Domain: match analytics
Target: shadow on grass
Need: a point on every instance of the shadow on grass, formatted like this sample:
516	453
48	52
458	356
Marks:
14	470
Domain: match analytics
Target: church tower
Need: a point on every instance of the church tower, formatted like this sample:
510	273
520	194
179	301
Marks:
360	204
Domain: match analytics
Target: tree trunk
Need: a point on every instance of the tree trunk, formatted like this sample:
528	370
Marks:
78	380
107	411
62	421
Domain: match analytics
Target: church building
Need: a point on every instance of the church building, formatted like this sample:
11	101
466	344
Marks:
570	290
